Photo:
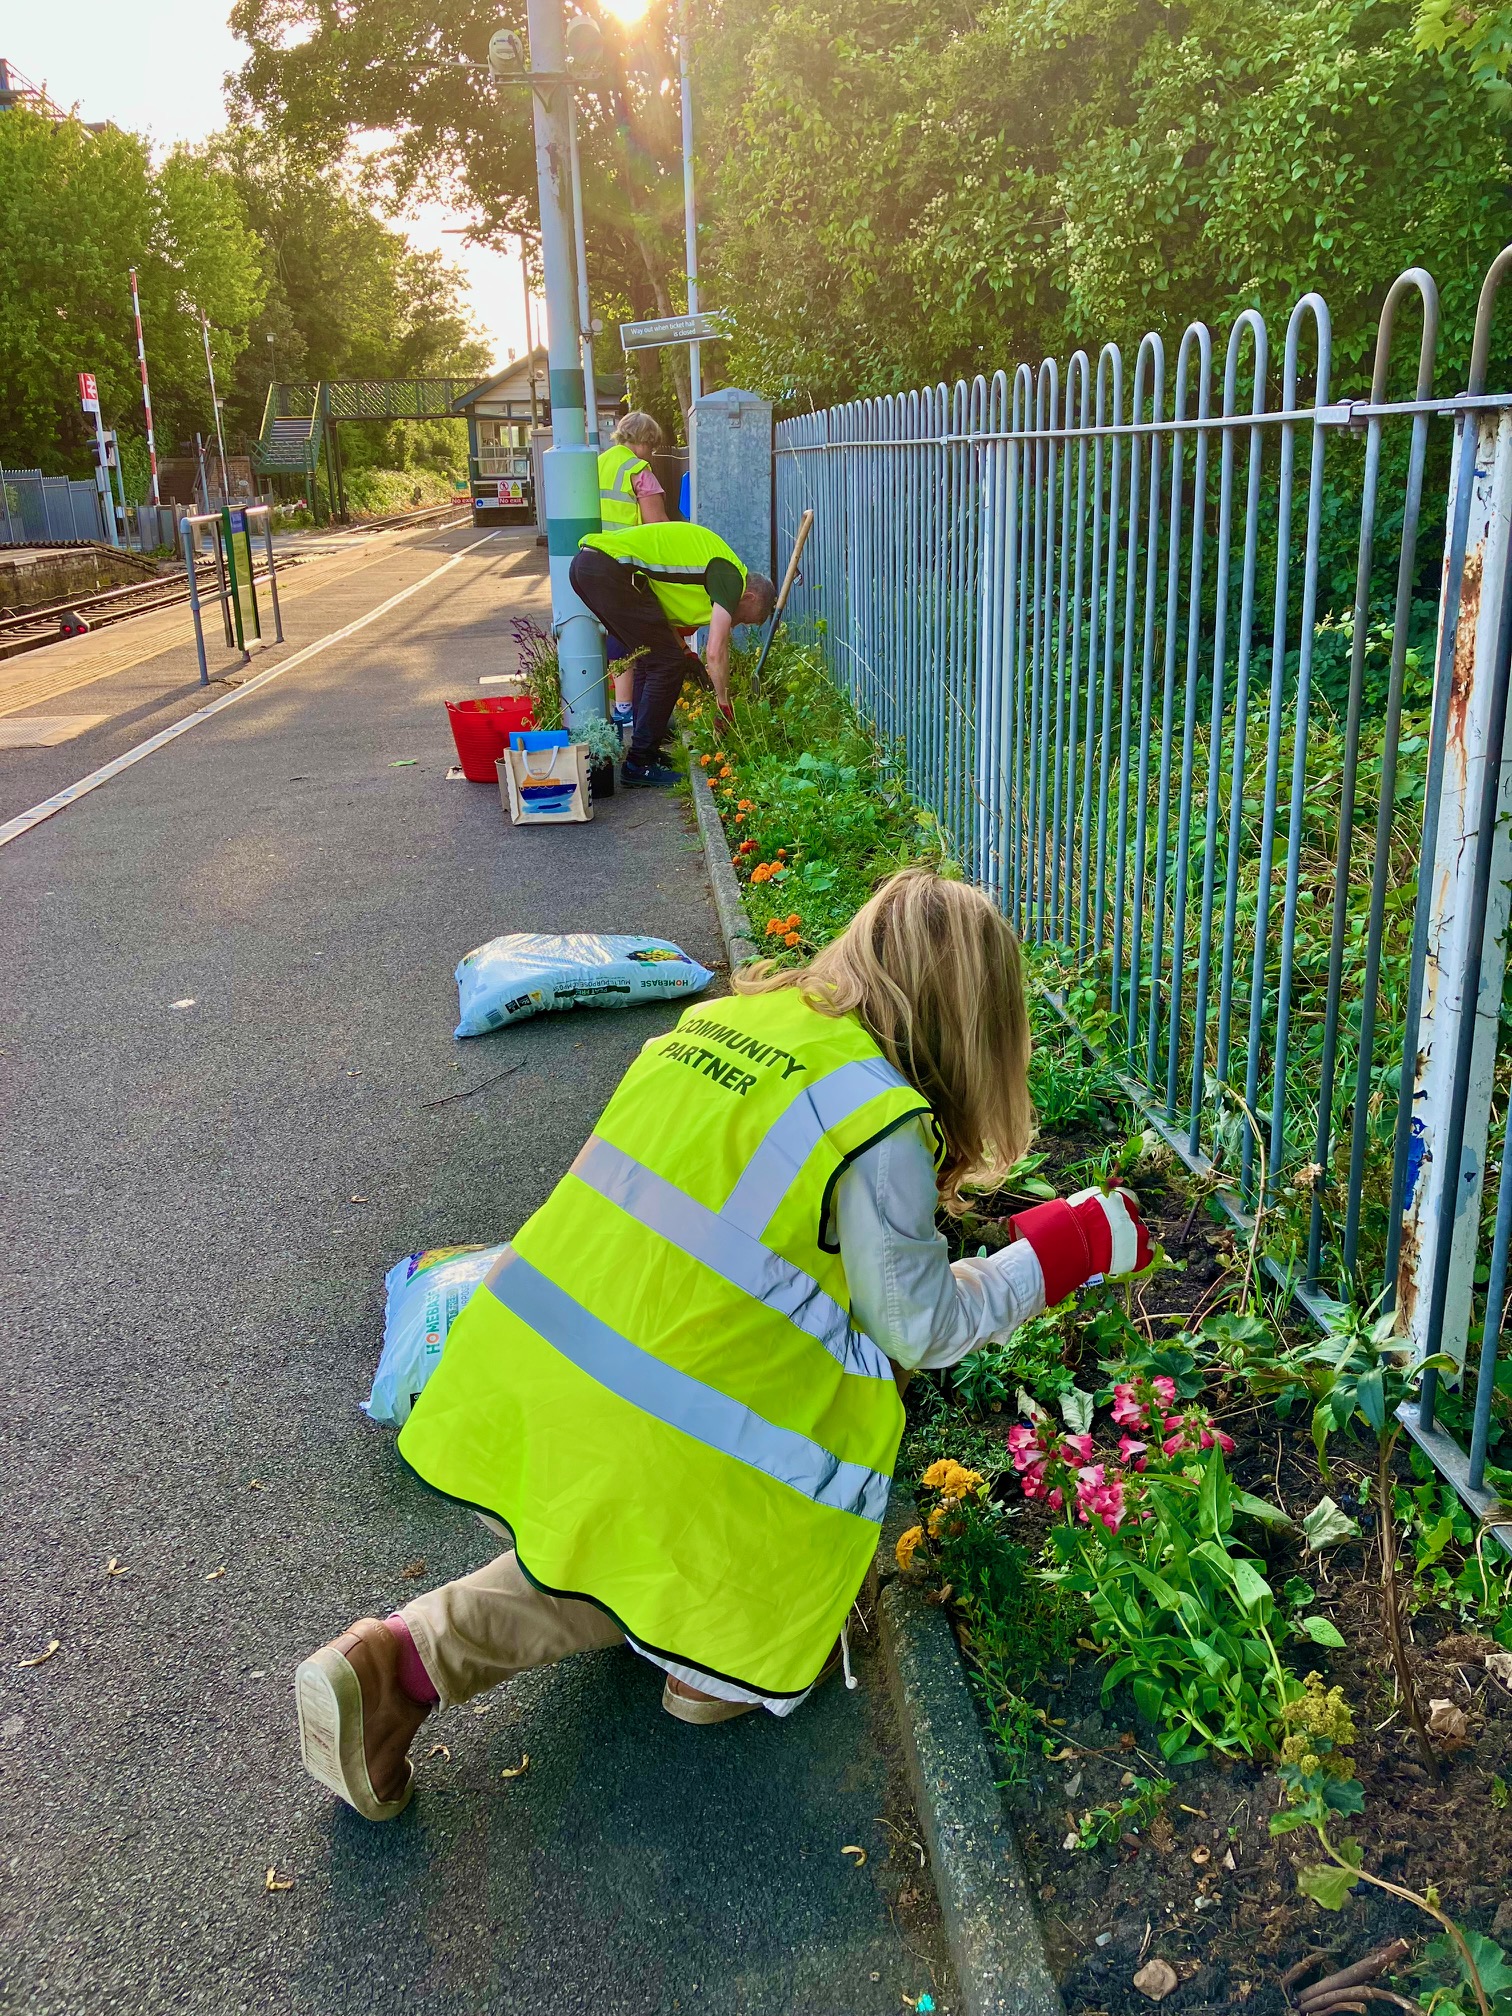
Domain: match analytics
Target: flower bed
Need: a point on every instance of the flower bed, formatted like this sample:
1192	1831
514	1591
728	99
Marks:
1252	1732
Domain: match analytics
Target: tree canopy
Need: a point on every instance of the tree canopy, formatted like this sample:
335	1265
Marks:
916	192
78	208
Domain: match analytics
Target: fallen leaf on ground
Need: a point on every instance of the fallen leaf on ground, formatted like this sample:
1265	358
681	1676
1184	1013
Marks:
1228	1860
440	1750
1326	1525
273	1881
42	1658
113	1567
403	762
859	1853
1202	1855
1156	1979
412	1569
357	1200
518	1770
216	1573
1445	1719
1499	1666
256	1484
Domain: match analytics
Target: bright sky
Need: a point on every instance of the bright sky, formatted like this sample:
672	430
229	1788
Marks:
155	67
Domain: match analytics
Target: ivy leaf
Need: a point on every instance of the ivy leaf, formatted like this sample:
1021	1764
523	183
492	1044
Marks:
1327	1884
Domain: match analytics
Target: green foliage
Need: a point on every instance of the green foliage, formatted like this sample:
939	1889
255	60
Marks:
375	493
77	209
954	191
1138	1807
1185	1616
816	811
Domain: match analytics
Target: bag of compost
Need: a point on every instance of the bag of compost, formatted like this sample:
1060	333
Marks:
426	1292
527	973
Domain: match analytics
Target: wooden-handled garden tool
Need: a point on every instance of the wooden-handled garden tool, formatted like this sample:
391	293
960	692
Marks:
805	526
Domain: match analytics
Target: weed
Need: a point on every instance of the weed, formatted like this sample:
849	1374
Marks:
1107	1824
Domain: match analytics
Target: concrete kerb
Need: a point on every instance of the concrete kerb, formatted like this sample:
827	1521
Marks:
740	946
990	1922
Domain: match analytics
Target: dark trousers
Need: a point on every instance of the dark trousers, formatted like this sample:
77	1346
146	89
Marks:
622	601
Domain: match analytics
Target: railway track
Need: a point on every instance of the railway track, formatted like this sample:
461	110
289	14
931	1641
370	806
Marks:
33	629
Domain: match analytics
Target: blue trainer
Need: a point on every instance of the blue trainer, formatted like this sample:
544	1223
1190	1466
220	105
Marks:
633	774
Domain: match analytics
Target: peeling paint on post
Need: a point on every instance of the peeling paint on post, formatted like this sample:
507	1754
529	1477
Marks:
1429	1213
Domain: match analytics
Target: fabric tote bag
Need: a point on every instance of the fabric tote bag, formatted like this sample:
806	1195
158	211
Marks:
543	779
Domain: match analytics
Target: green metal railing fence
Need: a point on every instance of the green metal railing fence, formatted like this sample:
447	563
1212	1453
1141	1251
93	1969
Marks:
1168	656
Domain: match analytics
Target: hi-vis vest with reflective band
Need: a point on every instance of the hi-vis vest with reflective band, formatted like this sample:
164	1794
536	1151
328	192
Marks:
659	1388
673	557
617	471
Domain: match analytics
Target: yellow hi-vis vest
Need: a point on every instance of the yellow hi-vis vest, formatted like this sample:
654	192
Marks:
674	559
617	471
659	1388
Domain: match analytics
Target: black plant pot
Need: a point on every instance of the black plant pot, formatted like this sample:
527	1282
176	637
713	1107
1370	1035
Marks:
601	778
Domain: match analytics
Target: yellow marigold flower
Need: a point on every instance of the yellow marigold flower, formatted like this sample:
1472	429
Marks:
937	1520
936	1474
908	1545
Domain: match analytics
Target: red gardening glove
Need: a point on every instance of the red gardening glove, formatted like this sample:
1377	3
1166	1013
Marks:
1083	1238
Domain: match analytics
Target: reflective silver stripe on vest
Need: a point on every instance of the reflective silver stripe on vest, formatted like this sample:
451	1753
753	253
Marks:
729	1252
681	1402
773	1169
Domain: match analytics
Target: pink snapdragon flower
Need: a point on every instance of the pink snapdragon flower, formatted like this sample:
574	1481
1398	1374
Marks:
1127	1411
1098	1497
1133	1455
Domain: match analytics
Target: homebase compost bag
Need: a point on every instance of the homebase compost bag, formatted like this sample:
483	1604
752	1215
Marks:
528	973
425	1295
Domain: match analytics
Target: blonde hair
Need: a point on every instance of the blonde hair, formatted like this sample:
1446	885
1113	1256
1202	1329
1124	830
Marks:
931	970
637	430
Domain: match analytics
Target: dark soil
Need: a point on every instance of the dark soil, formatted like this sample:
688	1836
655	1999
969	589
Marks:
1204	1886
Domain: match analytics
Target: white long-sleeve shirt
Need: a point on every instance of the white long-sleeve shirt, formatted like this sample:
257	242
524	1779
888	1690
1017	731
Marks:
906	1293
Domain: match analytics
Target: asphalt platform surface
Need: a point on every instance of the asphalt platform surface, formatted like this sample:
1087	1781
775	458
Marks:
231	1099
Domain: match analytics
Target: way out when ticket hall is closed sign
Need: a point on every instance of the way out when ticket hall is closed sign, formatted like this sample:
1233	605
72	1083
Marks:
672	329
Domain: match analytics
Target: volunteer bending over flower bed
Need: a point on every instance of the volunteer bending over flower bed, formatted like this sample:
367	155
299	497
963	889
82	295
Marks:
678	1387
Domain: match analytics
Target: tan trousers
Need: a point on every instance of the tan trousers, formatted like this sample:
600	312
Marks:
485	1628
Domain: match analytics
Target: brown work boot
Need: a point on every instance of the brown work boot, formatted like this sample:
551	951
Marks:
356	1722
687	1704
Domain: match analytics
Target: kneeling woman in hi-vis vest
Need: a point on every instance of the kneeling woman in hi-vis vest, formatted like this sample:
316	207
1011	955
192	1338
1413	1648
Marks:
679	1387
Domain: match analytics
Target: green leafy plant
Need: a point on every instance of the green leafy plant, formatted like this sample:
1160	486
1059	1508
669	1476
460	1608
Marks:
1363	1380
1184	1615
1138	1807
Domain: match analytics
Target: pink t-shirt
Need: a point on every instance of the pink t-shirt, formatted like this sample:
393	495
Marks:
645	485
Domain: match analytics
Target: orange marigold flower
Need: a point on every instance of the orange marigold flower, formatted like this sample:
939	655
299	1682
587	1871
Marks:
908	1545
706	761
747	805
773	928
794	921
740	818
719	755
782	853
727	772
791	938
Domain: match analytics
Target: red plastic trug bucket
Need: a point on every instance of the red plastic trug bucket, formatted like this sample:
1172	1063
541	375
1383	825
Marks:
481	730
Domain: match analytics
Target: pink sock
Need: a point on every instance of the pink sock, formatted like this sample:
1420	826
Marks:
413	1677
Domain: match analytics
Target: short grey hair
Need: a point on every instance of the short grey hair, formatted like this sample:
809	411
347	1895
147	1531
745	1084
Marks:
638	430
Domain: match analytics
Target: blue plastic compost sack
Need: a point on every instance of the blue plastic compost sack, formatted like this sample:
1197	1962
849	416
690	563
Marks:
528	973
426	1293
